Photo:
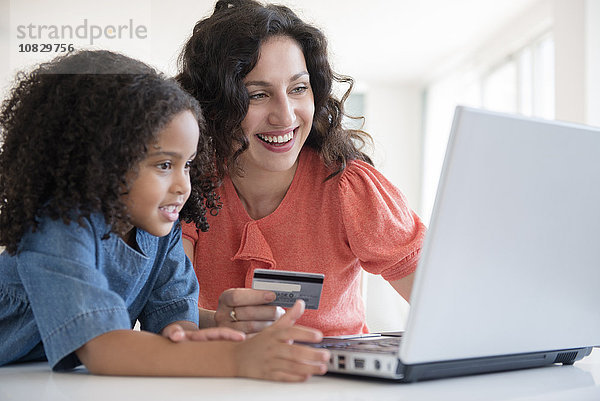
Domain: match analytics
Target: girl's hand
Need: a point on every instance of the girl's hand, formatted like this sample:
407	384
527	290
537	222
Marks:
272	354
177	333
244	309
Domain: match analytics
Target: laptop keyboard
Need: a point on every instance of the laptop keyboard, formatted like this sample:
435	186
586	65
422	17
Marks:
369	344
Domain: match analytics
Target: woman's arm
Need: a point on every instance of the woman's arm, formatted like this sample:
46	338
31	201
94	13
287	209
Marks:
188	248
251	313
207	318
404	286
270	354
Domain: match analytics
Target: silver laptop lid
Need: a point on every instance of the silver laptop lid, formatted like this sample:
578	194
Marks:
511	262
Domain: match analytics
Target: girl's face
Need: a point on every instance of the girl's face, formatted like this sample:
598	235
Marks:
281	107
162	184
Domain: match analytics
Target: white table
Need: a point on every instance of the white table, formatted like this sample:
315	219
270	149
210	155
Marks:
37	382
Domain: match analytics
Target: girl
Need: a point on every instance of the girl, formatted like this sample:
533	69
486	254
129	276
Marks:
298	193
99	155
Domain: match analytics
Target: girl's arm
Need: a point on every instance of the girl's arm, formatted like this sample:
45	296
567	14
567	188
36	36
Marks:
188	331
270	354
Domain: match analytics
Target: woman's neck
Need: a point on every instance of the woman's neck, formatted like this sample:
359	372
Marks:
262	192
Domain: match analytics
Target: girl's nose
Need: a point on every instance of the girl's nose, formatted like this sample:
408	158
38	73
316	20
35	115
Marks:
181	183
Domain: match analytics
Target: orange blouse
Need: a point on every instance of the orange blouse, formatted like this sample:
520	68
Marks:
335	227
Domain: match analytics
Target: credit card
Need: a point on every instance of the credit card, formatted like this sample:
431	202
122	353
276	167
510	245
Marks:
290	286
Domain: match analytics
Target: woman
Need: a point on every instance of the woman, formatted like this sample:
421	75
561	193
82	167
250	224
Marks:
297	192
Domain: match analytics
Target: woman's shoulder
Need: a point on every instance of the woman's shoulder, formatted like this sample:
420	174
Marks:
361	183
359	172
313	164
315	173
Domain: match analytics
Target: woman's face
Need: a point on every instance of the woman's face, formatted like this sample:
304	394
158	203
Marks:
281	107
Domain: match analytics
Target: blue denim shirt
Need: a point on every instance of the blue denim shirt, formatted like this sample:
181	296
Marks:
68	285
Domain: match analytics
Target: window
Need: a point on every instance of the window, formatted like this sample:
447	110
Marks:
521	82
524	82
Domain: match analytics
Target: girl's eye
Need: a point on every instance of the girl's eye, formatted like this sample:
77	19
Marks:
164	166
188	164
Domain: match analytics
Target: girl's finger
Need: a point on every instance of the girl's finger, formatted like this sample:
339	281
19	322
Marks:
299	334
175	333
288	377
290	317
304	353
298	368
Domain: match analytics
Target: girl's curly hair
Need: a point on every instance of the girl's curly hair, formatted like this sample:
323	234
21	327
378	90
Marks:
224	48
73	128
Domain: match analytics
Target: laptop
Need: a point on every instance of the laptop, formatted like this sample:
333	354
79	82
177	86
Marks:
509	275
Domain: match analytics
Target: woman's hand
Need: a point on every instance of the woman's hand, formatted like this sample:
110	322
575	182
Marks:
185	331
272	354
244	309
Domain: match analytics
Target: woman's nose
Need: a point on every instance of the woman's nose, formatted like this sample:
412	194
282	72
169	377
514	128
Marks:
282	112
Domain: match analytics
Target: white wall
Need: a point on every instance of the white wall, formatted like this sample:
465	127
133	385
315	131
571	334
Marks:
4	45
569	30
168	25
577	35
592	52
393	118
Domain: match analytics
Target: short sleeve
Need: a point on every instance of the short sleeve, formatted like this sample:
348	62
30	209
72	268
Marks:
71	299
382	231
189	232
175	293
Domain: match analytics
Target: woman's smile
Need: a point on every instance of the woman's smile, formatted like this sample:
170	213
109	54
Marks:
278	141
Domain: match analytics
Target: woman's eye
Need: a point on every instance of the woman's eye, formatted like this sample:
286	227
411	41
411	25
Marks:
258	96
188	164
300	89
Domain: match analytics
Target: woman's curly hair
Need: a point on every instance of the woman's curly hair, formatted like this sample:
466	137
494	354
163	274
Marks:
73	128
224	48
